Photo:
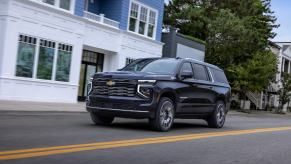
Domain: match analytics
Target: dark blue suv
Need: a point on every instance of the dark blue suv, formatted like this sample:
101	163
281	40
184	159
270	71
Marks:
160	89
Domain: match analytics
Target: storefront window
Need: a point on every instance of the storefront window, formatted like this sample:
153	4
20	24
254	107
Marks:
48	63
45	60
64	63
128	61
25	56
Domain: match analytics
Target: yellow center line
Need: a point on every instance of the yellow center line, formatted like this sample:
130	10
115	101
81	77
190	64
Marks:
36	152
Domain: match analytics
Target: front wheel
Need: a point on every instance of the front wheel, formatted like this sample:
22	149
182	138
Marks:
217	119
100	120
164	118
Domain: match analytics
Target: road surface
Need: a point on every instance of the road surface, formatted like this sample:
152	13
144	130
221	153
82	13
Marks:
71	138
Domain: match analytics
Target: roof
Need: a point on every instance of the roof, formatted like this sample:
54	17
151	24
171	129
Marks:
201	62
187	59
273	44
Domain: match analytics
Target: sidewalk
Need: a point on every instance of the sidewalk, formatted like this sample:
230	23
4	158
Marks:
41	106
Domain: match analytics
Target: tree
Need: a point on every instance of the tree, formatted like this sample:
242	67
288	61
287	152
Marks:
284	91
190	16
233	30
236	34
254	75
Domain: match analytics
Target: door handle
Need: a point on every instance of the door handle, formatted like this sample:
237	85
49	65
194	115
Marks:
210	87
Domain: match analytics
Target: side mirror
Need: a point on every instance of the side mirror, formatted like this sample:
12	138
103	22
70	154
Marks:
186	74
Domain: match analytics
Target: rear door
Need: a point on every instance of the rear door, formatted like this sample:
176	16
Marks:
205	95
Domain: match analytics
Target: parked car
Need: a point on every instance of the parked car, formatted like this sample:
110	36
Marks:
160	89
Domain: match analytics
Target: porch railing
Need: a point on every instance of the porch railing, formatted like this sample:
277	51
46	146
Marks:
101	19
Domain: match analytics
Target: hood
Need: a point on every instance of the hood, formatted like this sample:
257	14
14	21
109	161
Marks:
134	75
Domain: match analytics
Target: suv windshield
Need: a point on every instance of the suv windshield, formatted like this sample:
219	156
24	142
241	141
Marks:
160	66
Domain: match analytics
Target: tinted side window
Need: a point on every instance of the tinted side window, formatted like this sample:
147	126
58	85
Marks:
219	76
186	67
200	72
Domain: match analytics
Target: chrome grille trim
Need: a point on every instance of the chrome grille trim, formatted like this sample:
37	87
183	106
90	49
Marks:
121	87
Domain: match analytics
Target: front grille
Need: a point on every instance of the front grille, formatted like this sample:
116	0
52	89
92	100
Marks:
118	87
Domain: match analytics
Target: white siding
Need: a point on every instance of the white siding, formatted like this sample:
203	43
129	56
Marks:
188	52
33	19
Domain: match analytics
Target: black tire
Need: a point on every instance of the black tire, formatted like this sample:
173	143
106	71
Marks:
100	120
165	114
217	118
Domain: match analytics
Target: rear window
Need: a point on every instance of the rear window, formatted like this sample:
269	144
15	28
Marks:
200	72
219	76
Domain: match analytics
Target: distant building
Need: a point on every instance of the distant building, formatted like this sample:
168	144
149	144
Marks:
50	48
284	59
178	45
269	97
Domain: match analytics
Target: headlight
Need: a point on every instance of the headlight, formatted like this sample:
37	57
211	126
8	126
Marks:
145	88
145	91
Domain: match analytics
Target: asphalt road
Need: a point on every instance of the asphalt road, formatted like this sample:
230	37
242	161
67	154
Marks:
245	139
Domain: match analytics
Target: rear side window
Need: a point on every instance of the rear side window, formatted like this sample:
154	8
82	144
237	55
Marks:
219	76
200	72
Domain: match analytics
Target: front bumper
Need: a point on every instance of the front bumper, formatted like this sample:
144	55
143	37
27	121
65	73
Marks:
117	106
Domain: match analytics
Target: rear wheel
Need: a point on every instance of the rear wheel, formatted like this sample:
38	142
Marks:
101	120
164	118
217	119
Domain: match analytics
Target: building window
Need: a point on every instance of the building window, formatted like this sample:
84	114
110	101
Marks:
63	4
25	57
64	62
142	20
45	59
50	2
152	24
133	17
128	61
50	63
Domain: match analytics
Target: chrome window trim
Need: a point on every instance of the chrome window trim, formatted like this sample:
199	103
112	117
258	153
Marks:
210	73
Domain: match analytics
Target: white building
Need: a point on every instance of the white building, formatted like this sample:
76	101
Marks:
270	98
284	59
50	48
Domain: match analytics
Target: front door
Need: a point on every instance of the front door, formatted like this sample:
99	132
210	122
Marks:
92	62
197	95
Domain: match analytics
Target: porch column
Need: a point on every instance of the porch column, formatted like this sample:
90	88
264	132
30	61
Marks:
283	64
289	66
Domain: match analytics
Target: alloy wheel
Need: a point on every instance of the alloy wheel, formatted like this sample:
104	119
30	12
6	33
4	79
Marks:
166	114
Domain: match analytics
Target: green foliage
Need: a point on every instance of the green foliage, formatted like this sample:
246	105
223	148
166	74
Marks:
285	91
236	35
255	74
